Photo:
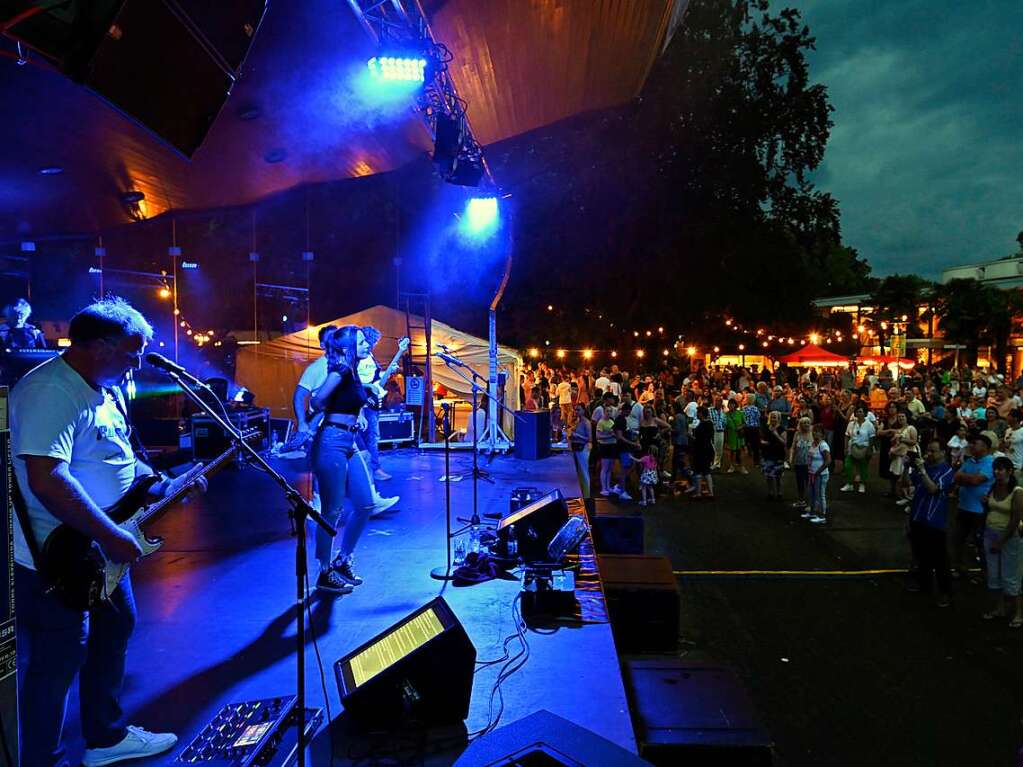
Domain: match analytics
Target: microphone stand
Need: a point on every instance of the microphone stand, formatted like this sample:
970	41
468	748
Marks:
436	573
300	512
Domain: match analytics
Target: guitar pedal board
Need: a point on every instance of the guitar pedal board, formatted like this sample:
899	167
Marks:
257	733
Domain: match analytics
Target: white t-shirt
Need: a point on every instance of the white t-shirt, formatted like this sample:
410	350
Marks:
615	387
603	383
632	416
564	393
860	434
1015	439
56	414
817	456
314	376
367	369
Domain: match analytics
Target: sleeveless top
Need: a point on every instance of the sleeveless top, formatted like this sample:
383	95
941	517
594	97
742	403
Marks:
1000	512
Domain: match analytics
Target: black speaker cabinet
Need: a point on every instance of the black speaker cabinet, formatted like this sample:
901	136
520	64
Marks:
534	526
544	739
617	528
532	434
642	602
694	714
8	650
417	672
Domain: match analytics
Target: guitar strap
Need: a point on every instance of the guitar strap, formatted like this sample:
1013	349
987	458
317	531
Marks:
133	437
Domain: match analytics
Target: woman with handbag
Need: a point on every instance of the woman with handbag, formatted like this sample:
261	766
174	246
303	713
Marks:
904	443
1003	546
859	435
579	441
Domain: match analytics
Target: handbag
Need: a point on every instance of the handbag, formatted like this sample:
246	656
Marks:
859	452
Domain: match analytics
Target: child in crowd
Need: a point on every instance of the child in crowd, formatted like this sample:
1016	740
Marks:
647	477
957	446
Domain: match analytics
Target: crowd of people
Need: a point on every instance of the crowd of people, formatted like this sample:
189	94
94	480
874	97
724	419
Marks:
940	438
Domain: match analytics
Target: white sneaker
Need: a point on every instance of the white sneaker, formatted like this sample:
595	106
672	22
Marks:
617	490
847	487
136	744
902	502
623	496
381	476
862	489
808	515
605	493
383	504
818	520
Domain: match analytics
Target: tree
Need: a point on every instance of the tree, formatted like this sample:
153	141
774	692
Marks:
896	297
974	314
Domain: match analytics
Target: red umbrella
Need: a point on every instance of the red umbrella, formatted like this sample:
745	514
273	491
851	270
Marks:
811	354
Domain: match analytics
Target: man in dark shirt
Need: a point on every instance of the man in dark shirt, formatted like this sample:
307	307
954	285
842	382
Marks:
929	519
16	332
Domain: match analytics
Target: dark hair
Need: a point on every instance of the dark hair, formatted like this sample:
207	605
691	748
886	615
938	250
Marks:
1003	462
372	335
324	331
1016	413
109	318
341	347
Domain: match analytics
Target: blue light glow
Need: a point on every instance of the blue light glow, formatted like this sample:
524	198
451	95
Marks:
481	218
398	68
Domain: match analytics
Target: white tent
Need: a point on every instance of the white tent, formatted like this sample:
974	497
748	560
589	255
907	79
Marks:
271	369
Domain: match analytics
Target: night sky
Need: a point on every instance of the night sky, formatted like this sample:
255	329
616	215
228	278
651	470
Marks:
926	154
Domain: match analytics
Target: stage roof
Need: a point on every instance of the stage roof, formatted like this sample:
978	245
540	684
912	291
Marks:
520	64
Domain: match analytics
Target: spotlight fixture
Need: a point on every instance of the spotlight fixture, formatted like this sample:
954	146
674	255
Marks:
133	197
407	69
51	170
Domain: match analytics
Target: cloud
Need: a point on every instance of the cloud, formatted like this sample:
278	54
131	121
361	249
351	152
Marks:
926	150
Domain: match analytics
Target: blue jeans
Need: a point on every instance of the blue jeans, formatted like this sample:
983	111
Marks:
582	469
340	472
819	493
369	438
54	644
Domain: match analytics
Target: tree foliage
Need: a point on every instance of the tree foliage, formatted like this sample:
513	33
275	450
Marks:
974	314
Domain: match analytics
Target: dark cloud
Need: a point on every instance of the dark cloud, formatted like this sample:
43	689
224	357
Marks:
927	148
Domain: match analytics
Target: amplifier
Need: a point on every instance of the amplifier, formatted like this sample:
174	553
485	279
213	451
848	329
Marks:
209	440
642	602
396	427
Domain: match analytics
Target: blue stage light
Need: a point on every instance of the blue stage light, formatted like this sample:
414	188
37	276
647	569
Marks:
481	217
398	68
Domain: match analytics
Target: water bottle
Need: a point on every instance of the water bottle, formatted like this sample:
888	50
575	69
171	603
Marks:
459	559
513	543
474	539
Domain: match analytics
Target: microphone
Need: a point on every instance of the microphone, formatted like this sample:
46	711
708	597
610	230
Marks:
449	359
160	362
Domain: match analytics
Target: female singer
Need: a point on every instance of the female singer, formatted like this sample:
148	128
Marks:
337	463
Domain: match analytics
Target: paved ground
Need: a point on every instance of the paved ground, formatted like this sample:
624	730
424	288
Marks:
845	670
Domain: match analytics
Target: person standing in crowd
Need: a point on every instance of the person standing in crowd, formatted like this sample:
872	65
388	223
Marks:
579	442
680	428
627	446
16	332
859	436
799	459
887	430
734	442
974	479
339	466
1003	546
819	472
607	443
717	419
904	444
565	404
703	454
772	450
780	404
72	459
751	427
928	521
1012	442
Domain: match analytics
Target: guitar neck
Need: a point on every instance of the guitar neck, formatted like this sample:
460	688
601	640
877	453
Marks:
397	356
193	475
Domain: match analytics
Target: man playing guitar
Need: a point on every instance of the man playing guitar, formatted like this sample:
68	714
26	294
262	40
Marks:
374	380
72	460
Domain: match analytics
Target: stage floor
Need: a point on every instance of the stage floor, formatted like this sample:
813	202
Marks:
216	604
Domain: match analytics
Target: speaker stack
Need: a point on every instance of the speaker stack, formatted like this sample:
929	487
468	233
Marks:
8	650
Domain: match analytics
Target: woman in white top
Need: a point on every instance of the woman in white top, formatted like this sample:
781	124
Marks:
820	460
904	442
859	435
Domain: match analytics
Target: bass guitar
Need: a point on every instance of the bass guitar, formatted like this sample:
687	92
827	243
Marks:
74	566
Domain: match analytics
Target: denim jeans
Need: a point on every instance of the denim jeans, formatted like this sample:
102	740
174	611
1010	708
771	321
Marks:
582	469
340	472
819	493
371	437
54	644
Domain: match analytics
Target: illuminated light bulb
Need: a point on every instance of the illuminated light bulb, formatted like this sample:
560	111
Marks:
660	330
561	354
587	354
716	349
614	354
691	351
814	338
639	353
665	352
534	353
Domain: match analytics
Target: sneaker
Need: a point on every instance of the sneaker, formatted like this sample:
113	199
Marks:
807	514
847	487
343	567
799	504
616	490
381	475
743	470
383	504
666	474
730	470
861	489
818	520
604	493
623	496
902	502
331	581
943	602
137	743
642	503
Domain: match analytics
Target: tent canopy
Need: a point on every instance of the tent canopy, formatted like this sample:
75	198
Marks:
811	354
271	370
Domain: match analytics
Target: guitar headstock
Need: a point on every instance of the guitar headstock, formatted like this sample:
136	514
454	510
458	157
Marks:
404	344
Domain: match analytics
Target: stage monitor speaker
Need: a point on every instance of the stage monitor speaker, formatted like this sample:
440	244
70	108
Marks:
417	672
168	64
8	650
534	526
544	739
532	434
